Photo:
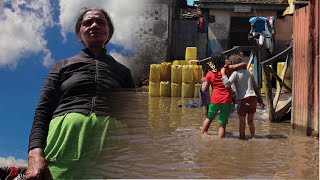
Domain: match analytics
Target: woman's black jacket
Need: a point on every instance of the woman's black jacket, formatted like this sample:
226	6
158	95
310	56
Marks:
83	84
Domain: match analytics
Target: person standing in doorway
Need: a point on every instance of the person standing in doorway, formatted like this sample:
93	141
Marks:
201	24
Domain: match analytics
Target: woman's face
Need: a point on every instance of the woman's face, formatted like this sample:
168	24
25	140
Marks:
94	30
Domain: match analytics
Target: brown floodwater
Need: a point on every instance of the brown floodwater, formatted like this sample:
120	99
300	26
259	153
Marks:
159	139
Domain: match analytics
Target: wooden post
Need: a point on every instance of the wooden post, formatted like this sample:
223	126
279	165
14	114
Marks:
257	67
267	82
282	76
257	64
315	16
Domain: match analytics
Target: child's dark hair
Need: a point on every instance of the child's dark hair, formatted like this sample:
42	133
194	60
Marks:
218	59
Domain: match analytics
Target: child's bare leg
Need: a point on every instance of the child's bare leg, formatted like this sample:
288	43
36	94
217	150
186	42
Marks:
251	125
205	126
242	127
222	131
207	108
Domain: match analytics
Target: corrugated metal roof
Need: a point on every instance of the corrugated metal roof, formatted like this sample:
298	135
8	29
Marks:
246	1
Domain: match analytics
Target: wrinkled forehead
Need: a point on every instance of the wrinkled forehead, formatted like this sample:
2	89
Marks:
93	15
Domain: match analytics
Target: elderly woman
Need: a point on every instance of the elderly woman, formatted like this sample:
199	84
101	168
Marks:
73	113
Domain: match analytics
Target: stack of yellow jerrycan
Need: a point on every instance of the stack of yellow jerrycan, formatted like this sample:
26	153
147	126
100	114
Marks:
165	79
191	53
187	89
197	74
154	80
176	73
182	78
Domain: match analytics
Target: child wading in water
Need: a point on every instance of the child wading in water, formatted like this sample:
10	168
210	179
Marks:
248	94
221	97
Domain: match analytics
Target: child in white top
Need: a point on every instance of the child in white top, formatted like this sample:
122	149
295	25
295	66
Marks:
248	94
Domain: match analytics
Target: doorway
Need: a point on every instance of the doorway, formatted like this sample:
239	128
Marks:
239	29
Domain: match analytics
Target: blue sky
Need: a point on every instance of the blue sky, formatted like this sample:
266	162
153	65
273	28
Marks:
33	35
190	2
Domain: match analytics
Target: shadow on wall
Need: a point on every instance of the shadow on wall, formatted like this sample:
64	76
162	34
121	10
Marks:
140	64
148	49
213	43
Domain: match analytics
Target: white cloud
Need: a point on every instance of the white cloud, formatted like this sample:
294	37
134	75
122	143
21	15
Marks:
123	13
23	24
130	62
11	161
120	58
140	29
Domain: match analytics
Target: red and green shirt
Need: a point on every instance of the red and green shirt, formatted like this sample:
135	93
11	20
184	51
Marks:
220	94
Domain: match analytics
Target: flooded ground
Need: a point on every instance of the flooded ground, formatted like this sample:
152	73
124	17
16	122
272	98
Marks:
159	139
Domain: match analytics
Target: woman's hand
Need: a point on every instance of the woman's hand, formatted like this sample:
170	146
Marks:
37	166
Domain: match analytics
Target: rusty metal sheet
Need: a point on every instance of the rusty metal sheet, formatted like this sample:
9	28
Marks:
302	68
315	28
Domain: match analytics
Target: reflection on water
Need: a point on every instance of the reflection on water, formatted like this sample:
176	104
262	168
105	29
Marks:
161	139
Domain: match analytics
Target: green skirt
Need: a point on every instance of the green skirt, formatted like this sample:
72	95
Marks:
74	145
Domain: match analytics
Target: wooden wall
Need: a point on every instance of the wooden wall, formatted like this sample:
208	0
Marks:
305	95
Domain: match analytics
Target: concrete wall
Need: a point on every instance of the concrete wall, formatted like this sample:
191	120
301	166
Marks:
219	30
150	39
152	32
284	30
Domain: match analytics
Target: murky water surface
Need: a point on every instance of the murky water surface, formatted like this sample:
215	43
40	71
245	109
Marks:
159	139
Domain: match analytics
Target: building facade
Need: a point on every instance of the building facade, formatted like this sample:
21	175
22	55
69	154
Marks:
228	22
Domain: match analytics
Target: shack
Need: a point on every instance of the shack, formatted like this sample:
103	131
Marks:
228	22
